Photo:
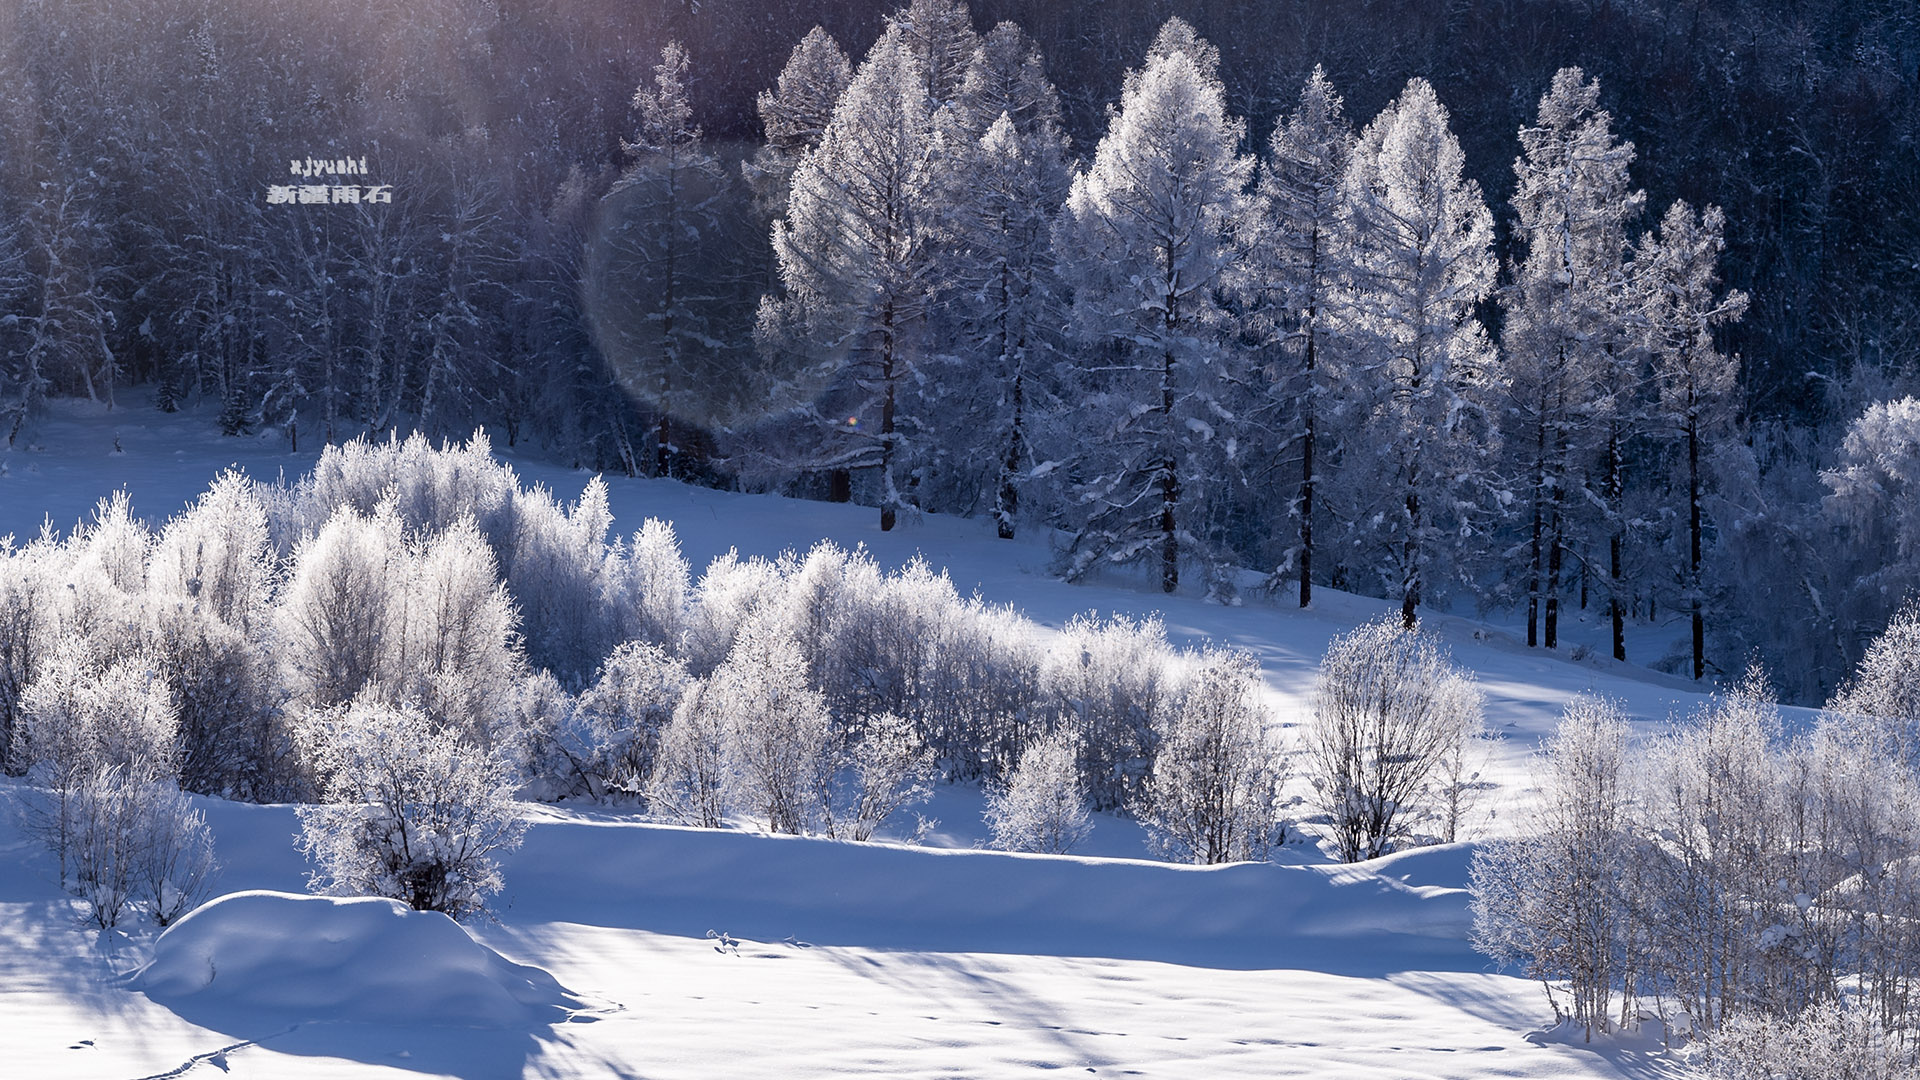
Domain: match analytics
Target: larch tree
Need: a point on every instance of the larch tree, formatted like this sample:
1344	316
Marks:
654	300
1420	370
854	257
1567	322
1698	384
940	36
1001	303
1149	231
1293	272
794	115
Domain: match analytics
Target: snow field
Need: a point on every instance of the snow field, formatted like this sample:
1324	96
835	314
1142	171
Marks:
875	959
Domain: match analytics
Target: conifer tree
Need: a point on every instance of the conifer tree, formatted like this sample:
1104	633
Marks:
1679	283
1001	302
1146	239
1294	269
654	273
1421	369
1567	324
854	257
794	115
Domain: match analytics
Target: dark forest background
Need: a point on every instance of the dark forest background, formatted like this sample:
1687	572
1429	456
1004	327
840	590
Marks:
140	261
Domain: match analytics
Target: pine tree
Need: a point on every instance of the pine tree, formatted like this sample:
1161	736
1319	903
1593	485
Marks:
1145	241
854	257
1293	271
1420	369
1567	323
1679	277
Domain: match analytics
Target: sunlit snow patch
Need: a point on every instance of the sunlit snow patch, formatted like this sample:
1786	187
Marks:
326	958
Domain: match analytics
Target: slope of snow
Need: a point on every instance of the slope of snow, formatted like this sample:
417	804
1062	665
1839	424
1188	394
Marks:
363	958
68	461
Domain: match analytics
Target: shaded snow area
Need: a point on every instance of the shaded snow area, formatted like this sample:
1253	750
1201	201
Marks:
628	949
725	954
324	958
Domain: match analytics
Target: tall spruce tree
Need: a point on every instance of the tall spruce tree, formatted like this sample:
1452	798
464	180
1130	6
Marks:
1000	303
654	270
854	257
794	115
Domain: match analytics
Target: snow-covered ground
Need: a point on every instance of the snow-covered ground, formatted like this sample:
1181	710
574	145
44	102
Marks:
833	958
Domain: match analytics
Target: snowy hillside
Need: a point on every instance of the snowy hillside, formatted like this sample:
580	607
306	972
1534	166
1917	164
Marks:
690	953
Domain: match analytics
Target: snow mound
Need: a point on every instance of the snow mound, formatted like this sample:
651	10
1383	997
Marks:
364	959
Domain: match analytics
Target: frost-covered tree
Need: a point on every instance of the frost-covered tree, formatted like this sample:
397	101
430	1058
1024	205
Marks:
1832	1040
691	782
1568	321
884	769
1419	372
647	586
1874	492
1555	901
340	619
218	554
794	115
1212	796
782	742
98	740
461	654
1291	274
940	35
657	312
23	386
1043	806
32	593
854	254
1145	241
616	727
1000	303
1110	683
1708	879
1387	707
1698	384
1884	692
410	811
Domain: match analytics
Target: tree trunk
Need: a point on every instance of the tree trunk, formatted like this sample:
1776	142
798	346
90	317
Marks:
1539	524
887	515
1616	610
1008	503
1410	555
1693	574
1307	405
1554	549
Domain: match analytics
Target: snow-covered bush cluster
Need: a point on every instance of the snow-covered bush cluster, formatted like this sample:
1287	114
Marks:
1730	877
410	638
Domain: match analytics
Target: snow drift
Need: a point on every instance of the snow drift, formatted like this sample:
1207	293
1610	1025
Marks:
681	881
363	959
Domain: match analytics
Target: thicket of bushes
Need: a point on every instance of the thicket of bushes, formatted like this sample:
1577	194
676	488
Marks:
1732	879
247	648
